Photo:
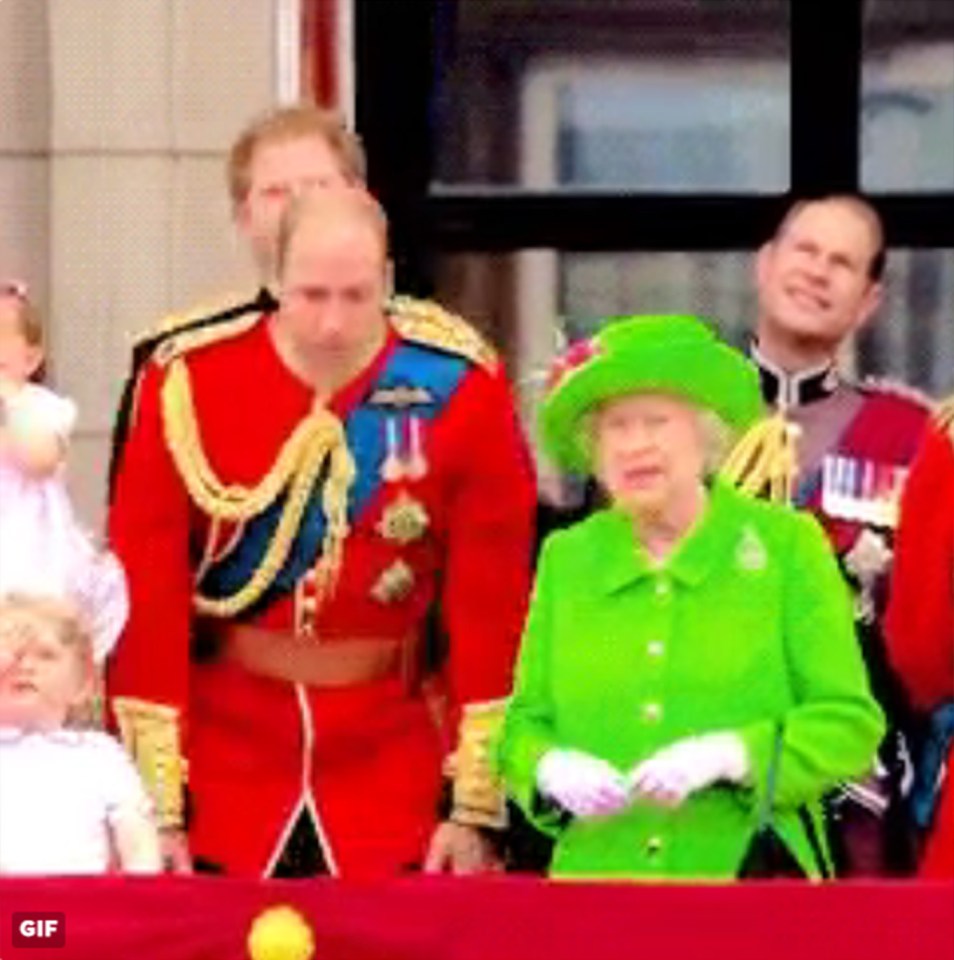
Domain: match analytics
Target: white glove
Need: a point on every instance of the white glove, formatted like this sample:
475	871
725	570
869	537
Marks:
688	765
582	784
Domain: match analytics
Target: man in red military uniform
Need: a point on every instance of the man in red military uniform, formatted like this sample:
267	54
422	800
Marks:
920	621
298	490
819	283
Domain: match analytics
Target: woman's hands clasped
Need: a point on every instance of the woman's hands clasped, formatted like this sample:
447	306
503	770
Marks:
587	786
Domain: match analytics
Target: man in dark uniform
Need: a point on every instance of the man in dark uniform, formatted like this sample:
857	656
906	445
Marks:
819	280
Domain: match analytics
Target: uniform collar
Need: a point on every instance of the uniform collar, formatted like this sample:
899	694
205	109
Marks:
694	558
783	389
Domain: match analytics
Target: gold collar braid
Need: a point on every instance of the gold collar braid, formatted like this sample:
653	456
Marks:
318	437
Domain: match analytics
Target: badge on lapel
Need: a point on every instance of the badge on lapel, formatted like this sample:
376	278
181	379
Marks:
394	583
750	554
401	397
404	520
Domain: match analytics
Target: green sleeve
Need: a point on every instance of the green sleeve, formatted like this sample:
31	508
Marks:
528	724
834	726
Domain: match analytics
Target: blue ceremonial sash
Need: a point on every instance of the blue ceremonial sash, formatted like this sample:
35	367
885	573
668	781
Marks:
435	376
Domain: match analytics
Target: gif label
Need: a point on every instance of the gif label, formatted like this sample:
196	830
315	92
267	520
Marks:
39	930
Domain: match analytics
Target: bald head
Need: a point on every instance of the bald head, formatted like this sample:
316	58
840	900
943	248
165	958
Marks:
331	217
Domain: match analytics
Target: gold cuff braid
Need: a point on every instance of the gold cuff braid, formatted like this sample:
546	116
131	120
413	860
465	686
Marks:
478	793
150	732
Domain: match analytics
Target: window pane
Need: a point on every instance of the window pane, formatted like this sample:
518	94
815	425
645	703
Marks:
715	285
527	302
912	337
649	95
907	107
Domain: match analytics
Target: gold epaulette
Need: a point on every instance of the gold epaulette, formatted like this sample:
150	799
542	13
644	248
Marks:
478	793
896	388
150	733
765	461
205	308
426	322
177	344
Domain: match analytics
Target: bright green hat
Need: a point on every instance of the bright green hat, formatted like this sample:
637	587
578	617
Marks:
676	355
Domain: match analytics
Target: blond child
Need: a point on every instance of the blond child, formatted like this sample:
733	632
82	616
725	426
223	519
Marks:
43	550
70	799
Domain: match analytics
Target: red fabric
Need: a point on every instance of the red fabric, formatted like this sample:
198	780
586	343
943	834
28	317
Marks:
320	42
427	919
375	762
920	618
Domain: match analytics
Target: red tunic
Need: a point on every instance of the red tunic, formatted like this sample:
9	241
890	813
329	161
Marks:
365	760
920	619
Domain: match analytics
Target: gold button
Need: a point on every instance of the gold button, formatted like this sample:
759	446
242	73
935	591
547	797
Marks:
662	589
654	846
655	648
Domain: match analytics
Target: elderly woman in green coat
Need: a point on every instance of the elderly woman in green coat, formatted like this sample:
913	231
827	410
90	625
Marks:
682	637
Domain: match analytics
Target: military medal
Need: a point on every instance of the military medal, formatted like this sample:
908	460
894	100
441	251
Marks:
392	469
394	583
404	520
404	450
415	465
867	561
862	491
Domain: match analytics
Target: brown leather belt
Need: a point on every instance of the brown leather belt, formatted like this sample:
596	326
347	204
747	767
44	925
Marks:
281	655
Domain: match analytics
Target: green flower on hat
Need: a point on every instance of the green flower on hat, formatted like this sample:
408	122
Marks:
676	355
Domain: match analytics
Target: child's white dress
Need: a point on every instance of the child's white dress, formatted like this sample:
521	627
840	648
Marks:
43	550
59	793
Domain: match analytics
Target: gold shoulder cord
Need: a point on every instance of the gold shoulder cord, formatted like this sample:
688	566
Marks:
319	436
765	460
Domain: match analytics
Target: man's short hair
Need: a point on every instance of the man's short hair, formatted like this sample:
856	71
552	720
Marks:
328	207
295	122
865	211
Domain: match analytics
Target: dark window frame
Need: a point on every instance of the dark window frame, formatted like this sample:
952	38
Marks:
395	47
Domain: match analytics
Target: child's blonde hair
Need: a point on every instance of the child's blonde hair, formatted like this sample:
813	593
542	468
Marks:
29	321
28	317
22	613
